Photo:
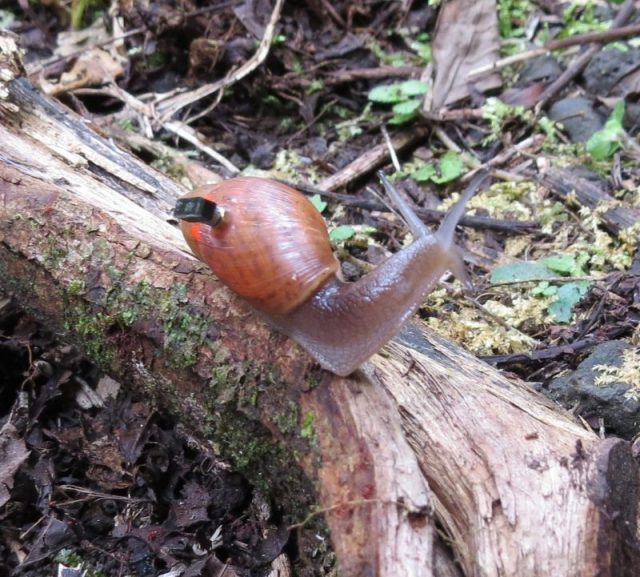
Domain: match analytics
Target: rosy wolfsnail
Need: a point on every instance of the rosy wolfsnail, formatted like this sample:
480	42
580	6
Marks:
270	245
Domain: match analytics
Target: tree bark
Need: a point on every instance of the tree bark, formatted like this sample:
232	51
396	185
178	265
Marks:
423	433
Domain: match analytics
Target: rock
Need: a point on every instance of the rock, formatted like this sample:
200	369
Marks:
578	116
542	68
607	68
612	402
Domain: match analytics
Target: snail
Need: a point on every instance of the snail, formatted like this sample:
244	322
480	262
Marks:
270	245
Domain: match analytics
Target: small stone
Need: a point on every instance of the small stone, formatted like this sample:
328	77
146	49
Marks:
578	116
611	402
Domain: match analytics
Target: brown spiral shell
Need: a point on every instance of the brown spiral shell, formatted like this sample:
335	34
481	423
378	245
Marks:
271	247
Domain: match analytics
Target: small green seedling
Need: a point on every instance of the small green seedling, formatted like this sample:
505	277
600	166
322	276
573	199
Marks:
448	168
406	98
606	142
567	294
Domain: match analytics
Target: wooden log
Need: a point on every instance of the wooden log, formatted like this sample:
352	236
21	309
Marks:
564	183
520	488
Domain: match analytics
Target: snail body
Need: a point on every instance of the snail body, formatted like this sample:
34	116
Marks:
271	247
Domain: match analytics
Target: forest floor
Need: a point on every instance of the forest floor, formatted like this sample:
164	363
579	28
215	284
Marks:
542	95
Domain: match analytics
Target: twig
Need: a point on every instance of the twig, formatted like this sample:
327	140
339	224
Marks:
328	6
455	115
601	37
554	351
534	141
507	61
471	161
371	159
392	151
178	128
172	106
377	73
428	215
189	134
559	279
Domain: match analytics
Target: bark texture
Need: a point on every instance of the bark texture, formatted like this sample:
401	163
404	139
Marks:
423	432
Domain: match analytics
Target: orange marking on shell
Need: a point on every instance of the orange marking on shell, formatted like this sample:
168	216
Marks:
272	247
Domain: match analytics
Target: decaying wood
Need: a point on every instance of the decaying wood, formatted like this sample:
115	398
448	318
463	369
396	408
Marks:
423	432
563	183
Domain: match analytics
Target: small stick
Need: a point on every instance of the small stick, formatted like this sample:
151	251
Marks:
172	106
602	36
392	151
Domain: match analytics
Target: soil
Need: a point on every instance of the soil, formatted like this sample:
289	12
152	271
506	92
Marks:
99	478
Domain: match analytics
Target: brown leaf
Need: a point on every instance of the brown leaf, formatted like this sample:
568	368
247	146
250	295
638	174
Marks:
94	68
466	38
13	453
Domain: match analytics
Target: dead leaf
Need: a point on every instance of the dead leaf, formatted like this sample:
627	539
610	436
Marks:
94	68
466	38
191	509
105	466
13	453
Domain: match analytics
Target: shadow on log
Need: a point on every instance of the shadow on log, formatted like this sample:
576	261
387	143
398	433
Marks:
423	433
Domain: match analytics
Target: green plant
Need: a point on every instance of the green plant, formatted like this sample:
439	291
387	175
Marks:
606	142
580	18
85	11
385	57
567	294
317	201
500	114
420	43
406	98
512	14
447	168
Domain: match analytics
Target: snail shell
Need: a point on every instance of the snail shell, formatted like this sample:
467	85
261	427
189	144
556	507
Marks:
271	246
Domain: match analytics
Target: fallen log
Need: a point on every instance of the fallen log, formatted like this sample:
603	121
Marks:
424	433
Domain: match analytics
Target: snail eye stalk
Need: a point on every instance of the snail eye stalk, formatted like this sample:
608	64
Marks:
198	209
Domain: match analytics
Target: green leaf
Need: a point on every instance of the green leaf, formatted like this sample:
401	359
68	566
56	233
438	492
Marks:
568	296
425	173
406	107
520	271
451	167
603	144
342	232
388	94
317	201
544	289
401	118
411	88
561	263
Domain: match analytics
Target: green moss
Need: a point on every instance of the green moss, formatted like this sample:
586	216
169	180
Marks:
238	398
75	288
267	464
184	332
55	256
91	329
287	419
167	165
308	430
